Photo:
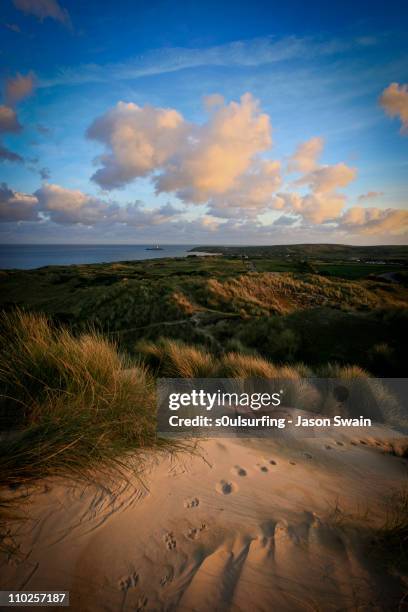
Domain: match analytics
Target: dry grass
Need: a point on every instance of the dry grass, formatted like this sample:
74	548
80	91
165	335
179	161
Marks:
175	359
385	531
68	403
282	293
390	541
364	396
367	396
236	365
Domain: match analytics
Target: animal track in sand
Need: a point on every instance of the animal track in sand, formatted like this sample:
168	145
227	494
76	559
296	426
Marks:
194	532
191	503
170	540
308	455
292	462
363	442
141	603
225	487
262	468
239	471
128	582
327	447
339	443
168	576
272	461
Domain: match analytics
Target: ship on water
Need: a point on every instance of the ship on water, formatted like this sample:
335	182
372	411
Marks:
154	248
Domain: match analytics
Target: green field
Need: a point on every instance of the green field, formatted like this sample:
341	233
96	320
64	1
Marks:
328	252
340	269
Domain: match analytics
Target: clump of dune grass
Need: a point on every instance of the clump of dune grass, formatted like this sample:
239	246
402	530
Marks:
236	365
173	358
298	391
390	540
367	396
68	403
384	531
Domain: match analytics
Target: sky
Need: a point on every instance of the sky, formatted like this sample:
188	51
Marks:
253	122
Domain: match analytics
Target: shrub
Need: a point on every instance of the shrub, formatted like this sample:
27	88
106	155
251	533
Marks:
271	338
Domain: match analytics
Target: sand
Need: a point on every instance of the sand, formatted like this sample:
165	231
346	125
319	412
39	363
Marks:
241	525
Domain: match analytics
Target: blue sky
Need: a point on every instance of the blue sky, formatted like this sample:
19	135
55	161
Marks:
317	70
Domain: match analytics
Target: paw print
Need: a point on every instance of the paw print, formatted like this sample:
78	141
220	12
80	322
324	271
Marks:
192	503
128	582
170	540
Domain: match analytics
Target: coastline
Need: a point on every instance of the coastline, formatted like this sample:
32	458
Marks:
34	256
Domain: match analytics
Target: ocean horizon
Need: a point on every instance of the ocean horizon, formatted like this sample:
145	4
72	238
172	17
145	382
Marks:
31	256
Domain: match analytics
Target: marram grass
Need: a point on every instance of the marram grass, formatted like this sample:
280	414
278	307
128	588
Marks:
67	403
70	404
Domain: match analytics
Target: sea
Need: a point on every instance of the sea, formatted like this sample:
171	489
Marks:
30	256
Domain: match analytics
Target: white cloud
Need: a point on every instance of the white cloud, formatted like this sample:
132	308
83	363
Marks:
136	215
327	178
372	220
138	140
315	208
221	165
306	155
213	100
321	207
70	206
43	9
9	123
16	89
19	87
252	192
206	223
73	207
8	120
8	155
217	162
245	53
285	220
394	100
323	204
67	208
16	206
370	195
216	154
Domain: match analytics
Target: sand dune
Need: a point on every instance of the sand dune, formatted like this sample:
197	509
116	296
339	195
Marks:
240	525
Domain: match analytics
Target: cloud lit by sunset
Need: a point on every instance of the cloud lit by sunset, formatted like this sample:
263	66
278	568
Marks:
228	137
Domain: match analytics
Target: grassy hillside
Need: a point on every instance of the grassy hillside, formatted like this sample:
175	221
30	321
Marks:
246	305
